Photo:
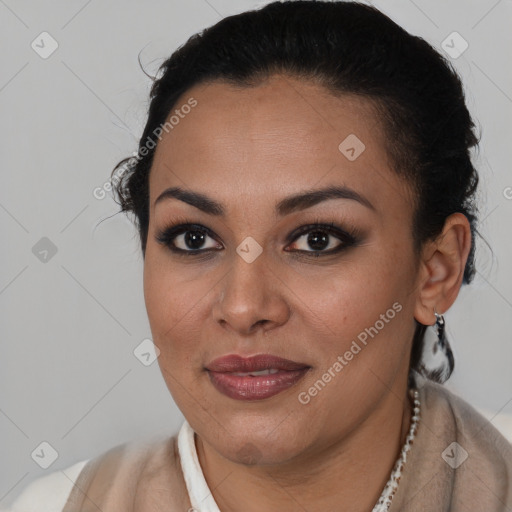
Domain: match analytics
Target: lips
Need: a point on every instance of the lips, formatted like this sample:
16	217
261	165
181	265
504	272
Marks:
256	377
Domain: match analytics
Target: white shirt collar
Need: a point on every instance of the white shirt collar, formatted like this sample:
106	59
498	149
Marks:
199	493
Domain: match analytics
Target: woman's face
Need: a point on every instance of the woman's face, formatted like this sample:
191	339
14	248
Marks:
337	300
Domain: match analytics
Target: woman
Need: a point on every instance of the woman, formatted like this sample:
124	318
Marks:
304	197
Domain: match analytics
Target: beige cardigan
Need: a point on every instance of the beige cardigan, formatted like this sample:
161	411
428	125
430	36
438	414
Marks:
147	476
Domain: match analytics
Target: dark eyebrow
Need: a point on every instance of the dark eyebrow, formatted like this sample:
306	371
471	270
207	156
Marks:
286	206
200	201
311	197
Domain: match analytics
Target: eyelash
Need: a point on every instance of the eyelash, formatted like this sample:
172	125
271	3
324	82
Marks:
348	238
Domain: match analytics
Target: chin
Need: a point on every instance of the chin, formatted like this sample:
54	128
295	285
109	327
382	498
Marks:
256	454
267	446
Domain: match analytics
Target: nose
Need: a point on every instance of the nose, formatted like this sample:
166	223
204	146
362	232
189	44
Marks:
251	298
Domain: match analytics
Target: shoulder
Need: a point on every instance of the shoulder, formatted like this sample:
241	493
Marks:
466	447
127	467
468	423
50	492
458	460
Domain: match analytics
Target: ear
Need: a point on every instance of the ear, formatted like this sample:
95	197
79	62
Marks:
442	269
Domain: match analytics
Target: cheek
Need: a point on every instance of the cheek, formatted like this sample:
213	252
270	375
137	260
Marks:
350	297
361	312
362	309
174	302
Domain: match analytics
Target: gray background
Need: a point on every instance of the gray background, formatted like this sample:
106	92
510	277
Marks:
70	324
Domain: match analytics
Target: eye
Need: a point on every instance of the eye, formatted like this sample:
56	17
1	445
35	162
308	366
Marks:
319	239
188	238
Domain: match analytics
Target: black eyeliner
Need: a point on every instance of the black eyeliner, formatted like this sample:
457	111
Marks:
348	238
167	235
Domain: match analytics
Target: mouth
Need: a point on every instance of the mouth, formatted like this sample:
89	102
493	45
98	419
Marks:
254	378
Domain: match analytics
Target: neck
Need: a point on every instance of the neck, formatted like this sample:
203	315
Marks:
352	471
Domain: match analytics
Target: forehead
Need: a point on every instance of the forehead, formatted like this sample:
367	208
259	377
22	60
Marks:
271	140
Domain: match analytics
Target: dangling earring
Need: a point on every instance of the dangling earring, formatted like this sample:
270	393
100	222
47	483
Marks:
437	360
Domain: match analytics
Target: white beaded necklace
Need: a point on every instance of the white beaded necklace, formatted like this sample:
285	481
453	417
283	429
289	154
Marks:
391	487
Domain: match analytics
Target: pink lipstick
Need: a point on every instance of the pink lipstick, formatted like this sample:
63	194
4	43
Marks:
256	377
